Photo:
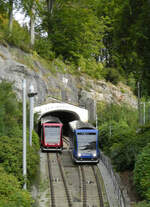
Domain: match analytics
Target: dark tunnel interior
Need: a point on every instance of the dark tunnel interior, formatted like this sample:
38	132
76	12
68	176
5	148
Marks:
65	117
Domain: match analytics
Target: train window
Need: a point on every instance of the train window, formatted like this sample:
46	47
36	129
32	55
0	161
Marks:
52	134
86	142
75	141
42	134
86	133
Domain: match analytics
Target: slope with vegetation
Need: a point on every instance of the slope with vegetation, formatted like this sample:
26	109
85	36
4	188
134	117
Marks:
127	144
105	39
11	152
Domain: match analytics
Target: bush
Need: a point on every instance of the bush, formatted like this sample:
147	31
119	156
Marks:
118	143
142	173
11	157
43	48
142	204
123	150
112	75
11	194
115	112
9	110
90	67
19	37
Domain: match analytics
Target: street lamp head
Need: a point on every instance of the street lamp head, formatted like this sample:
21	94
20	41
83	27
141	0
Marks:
31	91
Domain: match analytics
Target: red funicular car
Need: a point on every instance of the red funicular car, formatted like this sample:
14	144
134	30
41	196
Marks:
51	134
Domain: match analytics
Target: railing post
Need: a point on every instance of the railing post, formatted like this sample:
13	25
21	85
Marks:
24	134
31	95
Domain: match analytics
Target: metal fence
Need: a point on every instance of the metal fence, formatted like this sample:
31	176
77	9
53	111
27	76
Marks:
120	191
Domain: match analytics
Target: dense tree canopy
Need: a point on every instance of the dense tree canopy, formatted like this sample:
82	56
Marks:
75	31
142	177
114	32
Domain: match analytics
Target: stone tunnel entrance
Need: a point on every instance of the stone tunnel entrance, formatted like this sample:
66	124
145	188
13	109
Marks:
65	112
65	117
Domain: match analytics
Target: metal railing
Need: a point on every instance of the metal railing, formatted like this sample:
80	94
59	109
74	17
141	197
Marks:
119	191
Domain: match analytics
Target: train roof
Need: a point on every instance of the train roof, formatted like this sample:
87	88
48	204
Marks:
80	125
50	119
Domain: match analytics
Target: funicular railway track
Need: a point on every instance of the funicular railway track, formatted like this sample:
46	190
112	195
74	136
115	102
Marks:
92	194
58	186
73	185
66	143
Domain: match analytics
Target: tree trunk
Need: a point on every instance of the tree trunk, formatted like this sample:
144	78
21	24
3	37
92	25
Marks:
32	25
50	11
50	6
10	15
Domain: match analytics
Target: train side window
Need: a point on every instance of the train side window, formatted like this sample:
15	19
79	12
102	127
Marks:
42	133
75	141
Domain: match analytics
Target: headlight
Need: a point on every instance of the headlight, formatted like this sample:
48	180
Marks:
94	154
79	154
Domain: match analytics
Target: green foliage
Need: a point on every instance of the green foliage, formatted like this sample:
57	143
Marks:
90	67
11	157
118	134
3	8
115	112
75	31
142	204
11	136
117	140
112	75
123	142
9	112
19	37
123	150
11	194
142	173
114	31
43	48
131	82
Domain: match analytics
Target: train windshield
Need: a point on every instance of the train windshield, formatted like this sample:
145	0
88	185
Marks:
52	134
86	142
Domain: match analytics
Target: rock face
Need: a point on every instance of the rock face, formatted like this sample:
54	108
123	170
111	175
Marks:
59	87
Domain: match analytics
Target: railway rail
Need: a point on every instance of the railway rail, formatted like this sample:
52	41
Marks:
66	142
71	184
58	186
92	194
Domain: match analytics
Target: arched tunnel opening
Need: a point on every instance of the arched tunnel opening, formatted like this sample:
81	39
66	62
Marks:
65	117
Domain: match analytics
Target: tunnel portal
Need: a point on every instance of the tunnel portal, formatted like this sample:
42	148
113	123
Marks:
65	112
65	117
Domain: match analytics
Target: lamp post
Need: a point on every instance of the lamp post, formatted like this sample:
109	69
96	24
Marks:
31	95
143	113
24	133
95	106
139	102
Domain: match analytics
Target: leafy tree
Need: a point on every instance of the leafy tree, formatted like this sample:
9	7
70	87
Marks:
2	7
116	112
11	156
75	31
9	108
123	150
11	4
11	194
142	173
11	135
31	9
7	6
142	204
117	137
